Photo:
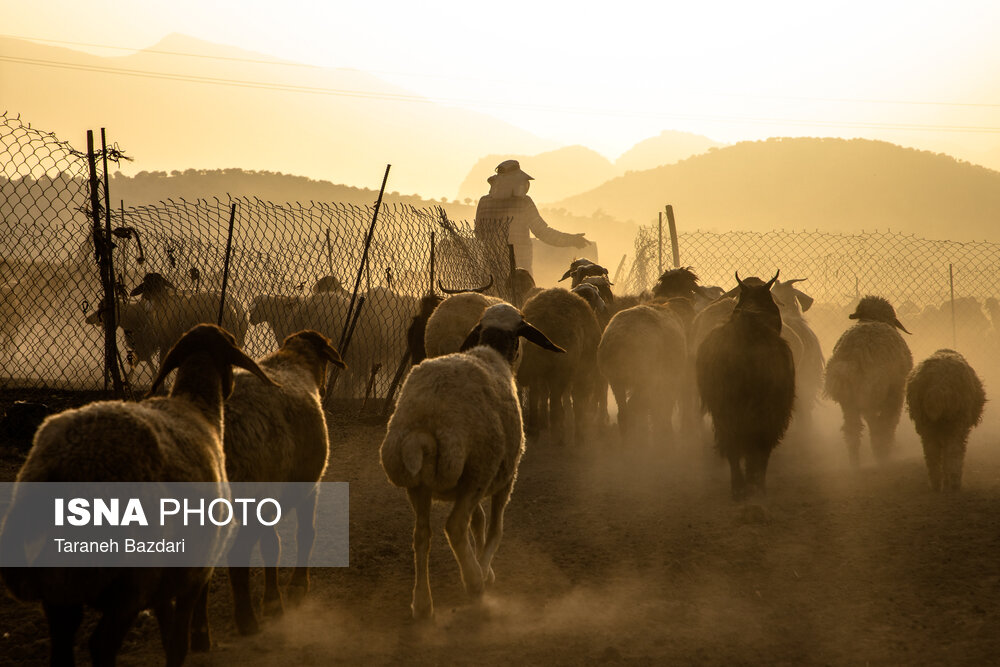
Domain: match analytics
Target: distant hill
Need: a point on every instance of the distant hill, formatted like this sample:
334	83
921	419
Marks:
666	148
558	174
174	112
568	171
806	183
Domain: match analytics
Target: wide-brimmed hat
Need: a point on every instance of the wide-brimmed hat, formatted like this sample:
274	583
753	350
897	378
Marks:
511	168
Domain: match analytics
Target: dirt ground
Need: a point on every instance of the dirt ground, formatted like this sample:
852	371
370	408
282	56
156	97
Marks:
620	555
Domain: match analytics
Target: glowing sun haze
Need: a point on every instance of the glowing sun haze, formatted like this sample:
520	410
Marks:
608	75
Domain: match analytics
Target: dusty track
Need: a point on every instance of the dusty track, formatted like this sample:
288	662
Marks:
616	555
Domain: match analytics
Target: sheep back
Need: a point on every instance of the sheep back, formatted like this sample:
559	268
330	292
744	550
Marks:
457	421
869	362
451	322
746	379
642	343
944	396
569	322
275	433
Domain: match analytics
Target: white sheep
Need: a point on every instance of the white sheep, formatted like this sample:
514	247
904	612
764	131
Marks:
326	312
177	438
453	319
277	311
456	435
866	375
945	399
278	434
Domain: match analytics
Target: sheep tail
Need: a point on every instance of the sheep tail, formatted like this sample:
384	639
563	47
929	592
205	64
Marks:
422	457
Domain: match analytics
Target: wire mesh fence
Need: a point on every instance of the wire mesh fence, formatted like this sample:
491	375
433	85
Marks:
291	266
295	266
47	261
918	276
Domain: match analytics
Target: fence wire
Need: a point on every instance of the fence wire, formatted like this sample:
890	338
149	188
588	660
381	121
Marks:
48	269
916	275
279	271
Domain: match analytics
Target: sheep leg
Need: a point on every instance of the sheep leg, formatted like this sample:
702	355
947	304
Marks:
621	399
201	636
602	402
557	413
852	434
270	552
420	500
457	530
757	460
163	609
239	580
181	630
883	424
933	457
583	407
479	529
953	460
305	537
118	615
498	503
64	621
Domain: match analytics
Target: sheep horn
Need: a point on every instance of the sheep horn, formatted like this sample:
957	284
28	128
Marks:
740	282
478	290
771	282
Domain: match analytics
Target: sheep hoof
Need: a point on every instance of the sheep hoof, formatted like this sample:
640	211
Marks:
246	624
296	593
273	607
201	641
422	612
754	513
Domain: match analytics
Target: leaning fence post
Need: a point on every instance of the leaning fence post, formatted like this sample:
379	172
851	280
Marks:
673	236
225	269
364	258
110	335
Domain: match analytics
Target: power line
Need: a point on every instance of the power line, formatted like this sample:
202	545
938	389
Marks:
282	63
408	97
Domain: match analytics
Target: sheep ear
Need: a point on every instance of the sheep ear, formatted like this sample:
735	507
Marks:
899	326
236	357
218	344
569	272
138	289
322	345
472	339
805	301
537	337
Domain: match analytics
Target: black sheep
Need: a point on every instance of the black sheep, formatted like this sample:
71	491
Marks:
746	378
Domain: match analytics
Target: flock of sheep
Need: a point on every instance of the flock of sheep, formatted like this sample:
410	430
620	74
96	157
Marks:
747	358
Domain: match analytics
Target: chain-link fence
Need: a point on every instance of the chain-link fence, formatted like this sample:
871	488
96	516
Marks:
280	265
48	268
917	275
282	260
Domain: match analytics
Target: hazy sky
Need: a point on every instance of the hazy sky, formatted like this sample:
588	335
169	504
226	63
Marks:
606	75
